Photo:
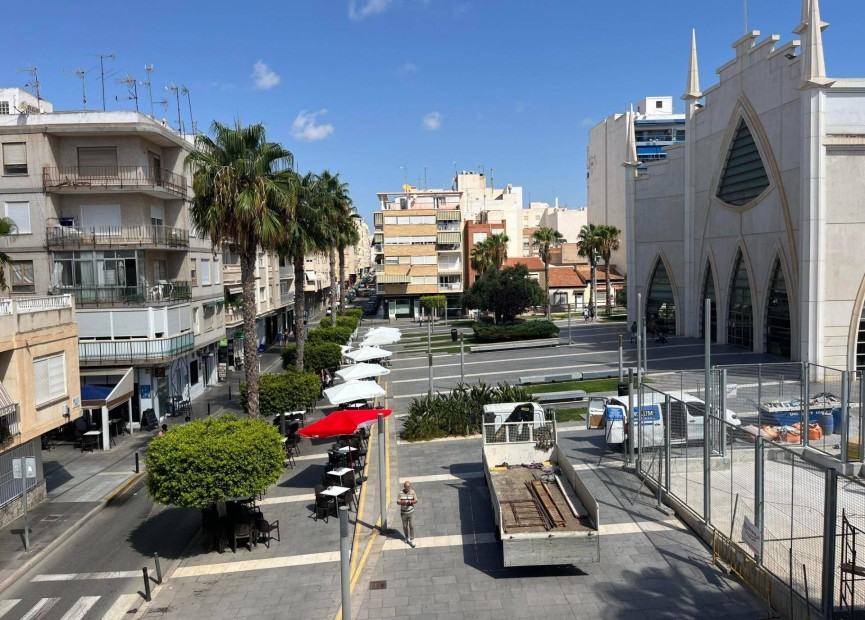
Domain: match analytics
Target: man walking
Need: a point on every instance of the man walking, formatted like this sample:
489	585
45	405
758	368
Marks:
406	500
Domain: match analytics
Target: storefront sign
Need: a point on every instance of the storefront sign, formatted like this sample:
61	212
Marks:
159	371
222	372
144	391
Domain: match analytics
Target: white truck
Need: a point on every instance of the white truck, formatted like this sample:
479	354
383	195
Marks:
544	513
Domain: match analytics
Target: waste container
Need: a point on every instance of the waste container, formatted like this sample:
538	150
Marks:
454	334
623	388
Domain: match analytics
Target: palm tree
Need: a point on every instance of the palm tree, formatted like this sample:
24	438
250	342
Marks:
347	236
587	244
334	207
480	258
244	193
544	239
498	245
608	242
7	227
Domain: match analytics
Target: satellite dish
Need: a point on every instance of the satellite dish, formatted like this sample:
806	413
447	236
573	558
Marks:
406	188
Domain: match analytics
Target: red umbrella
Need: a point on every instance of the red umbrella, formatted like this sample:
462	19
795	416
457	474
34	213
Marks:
343	422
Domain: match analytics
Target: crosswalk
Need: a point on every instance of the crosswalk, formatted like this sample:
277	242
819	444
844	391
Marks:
67	608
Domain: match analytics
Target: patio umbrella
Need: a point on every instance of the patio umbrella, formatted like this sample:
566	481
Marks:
368	353
361	371
353	390
379	338
343	422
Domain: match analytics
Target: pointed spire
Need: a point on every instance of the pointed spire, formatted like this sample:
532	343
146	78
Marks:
631	147
692	90
803	25
814	65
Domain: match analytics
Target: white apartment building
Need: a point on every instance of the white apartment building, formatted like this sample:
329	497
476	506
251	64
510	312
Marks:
100	201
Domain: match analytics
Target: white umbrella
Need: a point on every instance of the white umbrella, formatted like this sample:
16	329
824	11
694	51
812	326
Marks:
361	371
368	353
352	391
380	338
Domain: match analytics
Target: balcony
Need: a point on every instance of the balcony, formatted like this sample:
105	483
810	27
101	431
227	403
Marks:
160	292
134	351
27	305
9	429
117	237
156	181
450	267
449	247
450	286
233	315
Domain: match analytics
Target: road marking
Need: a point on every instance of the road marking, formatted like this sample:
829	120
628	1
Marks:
40	609
263	564
445	477
80	608
122	606
119	574
287	499
5	606
311	457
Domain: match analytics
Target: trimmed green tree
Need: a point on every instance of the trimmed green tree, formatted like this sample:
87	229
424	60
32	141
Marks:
318	355
286	391
339	335
433	303
505	292
209	460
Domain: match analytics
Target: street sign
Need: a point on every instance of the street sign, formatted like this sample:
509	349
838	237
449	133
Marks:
17	470
30	466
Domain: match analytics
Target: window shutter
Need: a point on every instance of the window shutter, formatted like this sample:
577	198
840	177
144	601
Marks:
49	378
97	157
19	212
14	154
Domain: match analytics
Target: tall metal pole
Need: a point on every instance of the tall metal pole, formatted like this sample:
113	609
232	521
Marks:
830	515
845	412
26	520
593	311
645	349
722	408
861	416
633	418
344	562
707	393
462	358
430	374
639	422
707	359
639	339
668	404
382	490
759	494
621	360
806	402
569	325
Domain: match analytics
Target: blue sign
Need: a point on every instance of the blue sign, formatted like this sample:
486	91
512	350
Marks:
144	391
615	414
649	414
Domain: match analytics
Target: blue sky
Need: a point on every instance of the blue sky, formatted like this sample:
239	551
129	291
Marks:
364	87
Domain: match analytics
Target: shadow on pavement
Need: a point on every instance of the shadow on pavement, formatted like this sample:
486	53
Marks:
167	533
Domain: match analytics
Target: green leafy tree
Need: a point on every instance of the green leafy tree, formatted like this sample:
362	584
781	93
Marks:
286	391
608	242
245	191
505	292
498	245
480	259
588	246
318	356
433	303
334	208
339	335
347	236
544	239
212	459
350	322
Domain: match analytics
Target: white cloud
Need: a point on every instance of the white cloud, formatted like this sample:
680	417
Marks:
432	121
263	76
306	127
357	10
587	122
407	67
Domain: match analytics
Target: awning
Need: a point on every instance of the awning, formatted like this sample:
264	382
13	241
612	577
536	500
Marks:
115	387
378	238
213	303
310	276
448	215
234	289
449	237
393	278
5	399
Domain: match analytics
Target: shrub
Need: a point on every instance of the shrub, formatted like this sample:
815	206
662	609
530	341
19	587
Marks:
315	356
339	335
355	312
458	412
325	321
347	321
212	459
286	391
516	331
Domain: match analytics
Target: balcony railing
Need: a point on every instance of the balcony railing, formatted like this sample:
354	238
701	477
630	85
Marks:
9	429
448	247
452	286
132	351
233	315
27	305
155	292
114	177
112	236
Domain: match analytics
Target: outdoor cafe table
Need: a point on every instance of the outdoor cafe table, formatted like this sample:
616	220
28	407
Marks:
335	493
91	438
339	472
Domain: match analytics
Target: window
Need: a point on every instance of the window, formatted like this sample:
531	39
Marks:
19	212
423	280
216	271
4	107
423	260
740	320
659	105
261	295
14	158
196	326
205	272
97	161
157	215
193	372
744	177
22	277
49	378
778	333
284	287
479	237
660	302
391	260
261	260
193	272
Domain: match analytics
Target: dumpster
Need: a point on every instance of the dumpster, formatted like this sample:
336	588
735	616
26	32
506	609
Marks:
623	388
454	334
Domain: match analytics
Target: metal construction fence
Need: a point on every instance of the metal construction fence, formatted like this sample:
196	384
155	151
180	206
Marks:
782	491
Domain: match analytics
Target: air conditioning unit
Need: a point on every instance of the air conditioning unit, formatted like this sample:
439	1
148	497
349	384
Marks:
403	203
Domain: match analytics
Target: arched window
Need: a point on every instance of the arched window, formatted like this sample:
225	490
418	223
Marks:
740	316
778	315
860	342
660	303
744	177
709	293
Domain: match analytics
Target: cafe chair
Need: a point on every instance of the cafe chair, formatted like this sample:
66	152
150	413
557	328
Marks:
264	528
322	503
289	457
243	530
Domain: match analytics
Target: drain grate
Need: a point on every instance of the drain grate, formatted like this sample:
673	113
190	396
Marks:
52	517
378	585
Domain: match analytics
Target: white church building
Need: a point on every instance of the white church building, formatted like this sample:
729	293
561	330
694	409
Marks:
761	209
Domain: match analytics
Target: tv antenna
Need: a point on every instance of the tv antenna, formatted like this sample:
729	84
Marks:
147	84
33	83
103	75
132	85
176	90
185	91
80	74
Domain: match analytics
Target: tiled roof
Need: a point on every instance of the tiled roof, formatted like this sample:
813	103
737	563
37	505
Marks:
564	277
532	262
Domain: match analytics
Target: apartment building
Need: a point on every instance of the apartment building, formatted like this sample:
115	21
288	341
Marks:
489	223
358	258
101	205
39	386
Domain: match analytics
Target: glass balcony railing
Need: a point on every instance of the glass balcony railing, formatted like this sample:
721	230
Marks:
161	291
132	351
117	236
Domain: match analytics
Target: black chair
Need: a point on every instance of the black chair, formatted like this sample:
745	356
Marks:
264	528
322	503
47	441
80	429
243	530
349	481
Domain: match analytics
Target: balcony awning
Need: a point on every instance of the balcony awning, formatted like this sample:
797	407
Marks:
378	238
448	215
393	278
449	237
310	276
234	289
116	387
213	303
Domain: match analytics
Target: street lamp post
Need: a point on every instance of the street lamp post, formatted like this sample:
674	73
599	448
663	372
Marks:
593	310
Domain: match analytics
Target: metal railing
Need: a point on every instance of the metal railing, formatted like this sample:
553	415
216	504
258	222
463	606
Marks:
519	432
27	305
453	286
9	423
142	235
131	351
114	177
159	292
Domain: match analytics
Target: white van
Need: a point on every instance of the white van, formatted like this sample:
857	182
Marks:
687	418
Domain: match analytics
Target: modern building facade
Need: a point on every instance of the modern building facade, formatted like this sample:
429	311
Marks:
759	209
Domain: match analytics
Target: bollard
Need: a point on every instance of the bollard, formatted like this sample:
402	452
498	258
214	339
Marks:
158	569
146	585
229	393
136	463
344	560
208	408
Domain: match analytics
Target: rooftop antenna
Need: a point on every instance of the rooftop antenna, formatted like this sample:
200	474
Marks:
103	75
33	83
481	168
424	178
132	85
148	85
745	16
176	90
404	175
454	182
185	91
80	74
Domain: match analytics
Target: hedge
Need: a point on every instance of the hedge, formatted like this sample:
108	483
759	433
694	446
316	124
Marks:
325	321
212	459
315	356
355	312
286	391
528	330
347	321
339	335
